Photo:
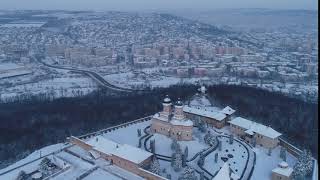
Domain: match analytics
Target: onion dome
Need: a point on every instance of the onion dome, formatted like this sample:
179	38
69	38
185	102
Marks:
283	164
167	100
179	102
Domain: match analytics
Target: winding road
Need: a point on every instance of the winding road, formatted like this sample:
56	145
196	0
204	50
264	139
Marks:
95	76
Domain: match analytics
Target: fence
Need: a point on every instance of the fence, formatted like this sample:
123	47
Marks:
296	152
290	148
114	127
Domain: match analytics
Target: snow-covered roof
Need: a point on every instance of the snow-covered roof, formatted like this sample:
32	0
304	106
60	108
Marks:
162	118
283	164
124	151
120	172
167	99
251	127
283	169
206	113
234	176
94	154
101	174
228	110
9	66
186	122
37	175
198	100
249	131
224	173
179	103
15	73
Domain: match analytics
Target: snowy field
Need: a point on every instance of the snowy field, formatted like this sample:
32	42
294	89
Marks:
130	80
59	87
24	24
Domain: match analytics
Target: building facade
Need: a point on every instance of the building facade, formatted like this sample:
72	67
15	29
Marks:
127	157
172	121
253	132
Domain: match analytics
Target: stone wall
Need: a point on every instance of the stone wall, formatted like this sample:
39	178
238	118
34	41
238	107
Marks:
79	142
266	141
210	121
149	175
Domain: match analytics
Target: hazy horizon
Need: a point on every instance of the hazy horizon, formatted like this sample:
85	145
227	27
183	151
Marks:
147	5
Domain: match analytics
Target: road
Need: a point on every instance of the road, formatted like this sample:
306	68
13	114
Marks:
93	75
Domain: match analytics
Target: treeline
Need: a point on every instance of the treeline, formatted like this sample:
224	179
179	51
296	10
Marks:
295	119
30	123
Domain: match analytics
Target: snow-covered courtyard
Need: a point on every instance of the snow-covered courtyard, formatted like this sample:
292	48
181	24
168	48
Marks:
238	155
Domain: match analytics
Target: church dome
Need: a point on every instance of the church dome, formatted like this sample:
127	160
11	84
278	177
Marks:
179	103
167	100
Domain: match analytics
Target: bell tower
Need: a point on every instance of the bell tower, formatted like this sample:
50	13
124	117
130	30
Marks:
178	110
167	106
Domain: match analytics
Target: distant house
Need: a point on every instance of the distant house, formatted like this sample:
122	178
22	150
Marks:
251	131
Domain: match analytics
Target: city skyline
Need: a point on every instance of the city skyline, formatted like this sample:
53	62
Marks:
141	5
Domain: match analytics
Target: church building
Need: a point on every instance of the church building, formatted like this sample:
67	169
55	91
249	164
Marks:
172	122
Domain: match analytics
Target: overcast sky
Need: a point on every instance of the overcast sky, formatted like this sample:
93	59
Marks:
155	4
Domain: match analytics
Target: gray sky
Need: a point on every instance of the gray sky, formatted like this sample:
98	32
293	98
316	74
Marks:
155	4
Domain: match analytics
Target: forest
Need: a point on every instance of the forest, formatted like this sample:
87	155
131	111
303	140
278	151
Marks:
297	120
31	123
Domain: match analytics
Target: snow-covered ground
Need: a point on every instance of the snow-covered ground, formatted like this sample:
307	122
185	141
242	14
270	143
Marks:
59	87
30	158
101	174
129	79
235	153
163	145
78	166
265	164
128	135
